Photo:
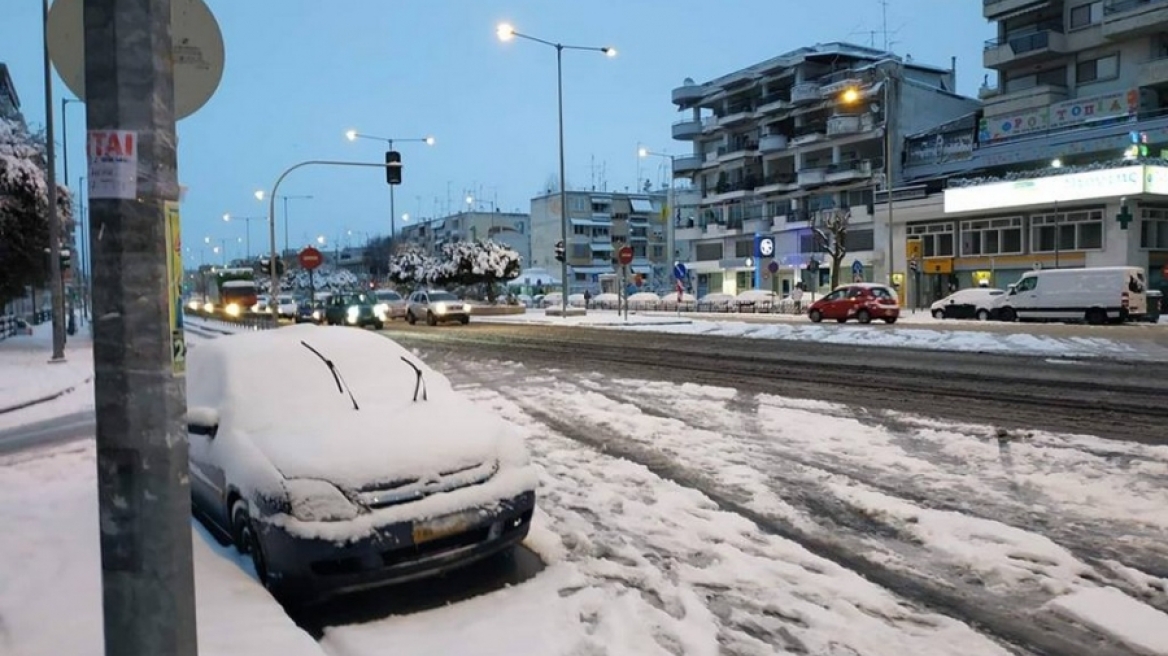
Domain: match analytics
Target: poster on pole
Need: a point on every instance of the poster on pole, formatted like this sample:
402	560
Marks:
174	287
113	164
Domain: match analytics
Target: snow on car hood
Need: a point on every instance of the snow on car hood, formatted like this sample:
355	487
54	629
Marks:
276	394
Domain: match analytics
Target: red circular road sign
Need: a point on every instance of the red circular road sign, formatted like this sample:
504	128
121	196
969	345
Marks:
625	255
310	258
1164	270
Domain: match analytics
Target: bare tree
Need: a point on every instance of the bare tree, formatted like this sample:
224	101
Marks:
831	231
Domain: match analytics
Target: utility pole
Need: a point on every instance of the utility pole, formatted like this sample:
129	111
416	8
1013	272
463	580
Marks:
55	279
148	593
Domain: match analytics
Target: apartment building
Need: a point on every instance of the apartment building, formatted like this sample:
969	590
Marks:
9	101
509	228
599	224
777	144
1063	166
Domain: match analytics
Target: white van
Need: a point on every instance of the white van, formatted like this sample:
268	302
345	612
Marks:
1096	295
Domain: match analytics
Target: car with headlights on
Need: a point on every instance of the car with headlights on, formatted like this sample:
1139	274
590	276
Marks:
338	461
355	309
435	307
392	304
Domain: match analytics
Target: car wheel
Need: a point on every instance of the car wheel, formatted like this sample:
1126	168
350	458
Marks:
938	314
983	315
431	320
246	540
815	315
410	318
377	325
1096	317
890	320
1009	315
863	317
464	320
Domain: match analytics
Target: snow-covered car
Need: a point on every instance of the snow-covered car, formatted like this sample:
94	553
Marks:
262	304
436	307
286	306
974	303
350	465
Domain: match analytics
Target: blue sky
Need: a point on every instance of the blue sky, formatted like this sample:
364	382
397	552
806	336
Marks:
299	73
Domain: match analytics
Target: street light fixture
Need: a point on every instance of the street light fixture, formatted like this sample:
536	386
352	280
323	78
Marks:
228	218
353	135
259	194
506	32
670	247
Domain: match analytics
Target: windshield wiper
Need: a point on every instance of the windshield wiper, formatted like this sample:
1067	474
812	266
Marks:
418	382
342	386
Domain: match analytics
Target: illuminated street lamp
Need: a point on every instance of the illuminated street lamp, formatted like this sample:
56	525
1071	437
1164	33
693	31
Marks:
506	33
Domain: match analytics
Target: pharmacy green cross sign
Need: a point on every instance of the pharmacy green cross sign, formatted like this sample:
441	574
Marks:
1124	217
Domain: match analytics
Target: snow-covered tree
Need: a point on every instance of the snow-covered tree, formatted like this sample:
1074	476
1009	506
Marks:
481	263
412	267
831	231
24	202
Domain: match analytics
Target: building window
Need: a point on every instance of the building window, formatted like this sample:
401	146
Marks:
708	252
858	198
937	239
1097	70
860	240
1081	230
992	237
1086	14
1154	228
577	203
581	251
808	243
580	230
743	248
658	251
744	280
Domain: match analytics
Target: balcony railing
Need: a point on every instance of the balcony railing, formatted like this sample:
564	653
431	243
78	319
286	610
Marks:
740	146
1036	39
1111	7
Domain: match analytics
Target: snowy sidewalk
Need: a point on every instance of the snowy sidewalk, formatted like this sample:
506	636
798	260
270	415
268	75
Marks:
53	571
28	379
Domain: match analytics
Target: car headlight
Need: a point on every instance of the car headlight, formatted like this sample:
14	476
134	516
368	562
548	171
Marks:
232	309
194	305
440	308
316	314
380	312
466	307
381	308
314	500
208	307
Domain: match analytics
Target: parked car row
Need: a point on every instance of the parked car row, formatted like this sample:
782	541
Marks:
374	309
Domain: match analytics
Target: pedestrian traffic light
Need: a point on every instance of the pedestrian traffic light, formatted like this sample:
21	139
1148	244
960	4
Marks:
559	251
393	167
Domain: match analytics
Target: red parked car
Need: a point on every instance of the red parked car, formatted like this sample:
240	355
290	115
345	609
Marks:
860	301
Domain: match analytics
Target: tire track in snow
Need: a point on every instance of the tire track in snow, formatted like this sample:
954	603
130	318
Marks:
1039	633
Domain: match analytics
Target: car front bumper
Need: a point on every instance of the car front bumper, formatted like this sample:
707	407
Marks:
316	569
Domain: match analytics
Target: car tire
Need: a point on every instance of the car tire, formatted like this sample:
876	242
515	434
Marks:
983	315
1096	317
863	316
378	325
890	320
410	319
1009	315
464	320
431	320
815	315
247	541
938	314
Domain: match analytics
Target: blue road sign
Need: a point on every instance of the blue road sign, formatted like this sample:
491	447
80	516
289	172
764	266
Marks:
857	268
680	272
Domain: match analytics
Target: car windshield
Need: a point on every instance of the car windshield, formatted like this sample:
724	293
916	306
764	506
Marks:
361	299
388	296
444	297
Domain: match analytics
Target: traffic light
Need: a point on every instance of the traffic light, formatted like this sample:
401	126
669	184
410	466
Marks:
266	266
559	251
393	168
66	259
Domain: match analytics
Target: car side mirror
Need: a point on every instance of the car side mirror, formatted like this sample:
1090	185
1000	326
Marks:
203	421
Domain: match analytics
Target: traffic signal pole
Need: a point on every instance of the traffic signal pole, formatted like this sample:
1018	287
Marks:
148	592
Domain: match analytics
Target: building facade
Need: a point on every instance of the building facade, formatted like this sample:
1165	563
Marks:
600	224
9	101
1062	166
780	144
509	228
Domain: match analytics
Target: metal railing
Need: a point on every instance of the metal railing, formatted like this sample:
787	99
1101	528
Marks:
1112	7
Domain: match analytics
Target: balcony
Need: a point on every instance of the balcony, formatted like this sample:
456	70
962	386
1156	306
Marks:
686	164
736	150
836	83
1153	73
849	124
724	191
1026	48
774	103
810	134
688	93
778	182
849	171
687	128
812	177
773	143
710	125
736	115
1035	97
1123	19
994	9
806	92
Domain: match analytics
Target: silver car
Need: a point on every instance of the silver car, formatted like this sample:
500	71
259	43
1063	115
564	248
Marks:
435	307
391	304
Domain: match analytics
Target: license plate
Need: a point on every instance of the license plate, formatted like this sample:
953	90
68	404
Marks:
434	529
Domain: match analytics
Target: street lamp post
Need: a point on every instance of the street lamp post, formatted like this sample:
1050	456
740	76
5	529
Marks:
55	277
670	247
286	199
506	32
247	219
353	135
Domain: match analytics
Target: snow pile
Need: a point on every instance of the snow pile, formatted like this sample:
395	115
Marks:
53	571
26	375
1138	626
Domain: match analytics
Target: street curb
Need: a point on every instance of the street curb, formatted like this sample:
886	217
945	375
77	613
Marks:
44	399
